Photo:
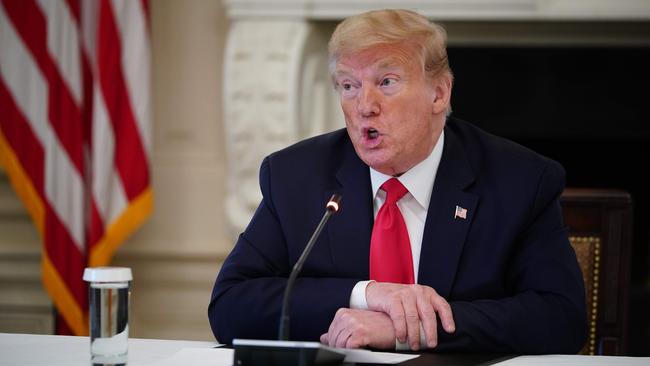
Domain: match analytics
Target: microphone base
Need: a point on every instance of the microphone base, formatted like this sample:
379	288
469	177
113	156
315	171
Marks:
254	352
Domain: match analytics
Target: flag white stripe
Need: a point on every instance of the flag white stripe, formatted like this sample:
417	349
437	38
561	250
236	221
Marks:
107	189
63	44
65	189
102	153
132	26
118	202
23	78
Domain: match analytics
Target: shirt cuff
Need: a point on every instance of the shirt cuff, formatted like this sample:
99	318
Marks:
399	346
358	296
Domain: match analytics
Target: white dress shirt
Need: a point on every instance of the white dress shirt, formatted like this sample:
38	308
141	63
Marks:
413	205
419	181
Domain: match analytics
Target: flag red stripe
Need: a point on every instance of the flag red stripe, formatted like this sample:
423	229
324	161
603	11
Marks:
65	256
146	13
64	115
96	230
87	99
75	10
29	23
130	157
21	137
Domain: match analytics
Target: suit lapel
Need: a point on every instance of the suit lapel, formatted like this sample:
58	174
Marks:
350	229
444	234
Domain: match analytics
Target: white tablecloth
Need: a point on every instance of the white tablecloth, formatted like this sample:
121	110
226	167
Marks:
28	350
38	350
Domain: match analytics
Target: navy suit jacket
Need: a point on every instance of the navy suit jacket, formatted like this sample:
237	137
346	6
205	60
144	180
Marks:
507	270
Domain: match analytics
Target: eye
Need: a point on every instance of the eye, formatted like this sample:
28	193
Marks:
348	88
388	82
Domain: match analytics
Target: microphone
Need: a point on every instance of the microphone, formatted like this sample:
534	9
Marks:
284	352
331	208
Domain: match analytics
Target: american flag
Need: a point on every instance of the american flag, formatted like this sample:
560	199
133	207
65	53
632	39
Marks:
75	132
460	213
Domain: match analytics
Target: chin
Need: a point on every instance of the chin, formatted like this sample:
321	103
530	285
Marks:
378	161
381	166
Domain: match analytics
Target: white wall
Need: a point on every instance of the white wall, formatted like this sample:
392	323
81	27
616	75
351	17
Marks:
176	255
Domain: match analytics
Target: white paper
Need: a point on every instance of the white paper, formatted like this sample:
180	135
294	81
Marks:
365	356
575	360
224	357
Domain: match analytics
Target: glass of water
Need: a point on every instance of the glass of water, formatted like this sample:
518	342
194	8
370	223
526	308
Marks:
109	314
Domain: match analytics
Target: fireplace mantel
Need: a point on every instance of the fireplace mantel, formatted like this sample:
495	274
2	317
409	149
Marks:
490	10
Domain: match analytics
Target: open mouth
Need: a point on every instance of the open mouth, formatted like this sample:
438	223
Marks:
372	133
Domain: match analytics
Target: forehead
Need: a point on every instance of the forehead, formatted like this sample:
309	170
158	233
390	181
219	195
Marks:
378	57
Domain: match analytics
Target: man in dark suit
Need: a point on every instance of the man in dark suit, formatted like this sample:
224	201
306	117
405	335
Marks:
471	254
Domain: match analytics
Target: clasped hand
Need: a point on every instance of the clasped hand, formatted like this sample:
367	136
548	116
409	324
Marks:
395	311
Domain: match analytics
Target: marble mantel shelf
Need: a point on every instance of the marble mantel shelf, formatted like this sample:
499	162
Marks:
487	10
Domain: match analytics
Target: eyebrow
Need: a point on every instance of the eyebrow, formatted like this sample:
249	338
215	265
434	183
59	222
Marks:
339	72
387	63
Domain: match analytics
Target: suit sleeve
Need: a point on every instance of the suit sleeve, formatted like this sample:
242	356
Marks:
247	296
546	310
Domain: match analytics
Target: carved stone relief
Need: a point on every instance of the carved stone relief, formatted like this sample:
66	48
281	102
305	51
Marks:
276	92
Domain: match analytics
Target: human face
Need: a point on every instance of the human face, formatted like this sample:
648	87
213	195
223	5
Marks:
394	114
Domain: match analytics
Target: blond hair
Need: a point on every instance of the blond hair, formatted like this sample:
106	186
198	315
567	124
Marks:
390	26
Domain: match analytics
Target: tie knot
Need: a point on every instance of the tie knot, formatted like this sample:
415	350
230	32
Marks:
394	189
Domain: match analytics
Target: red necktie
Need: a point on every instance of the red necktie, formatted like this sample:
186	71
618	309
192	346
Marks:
390	248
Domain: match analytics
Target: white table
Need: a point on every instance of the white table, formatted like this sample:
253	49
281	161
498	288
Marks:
32	350
28	350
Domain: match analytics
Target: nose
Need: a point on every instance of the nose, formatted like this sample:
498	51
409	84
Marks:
368	103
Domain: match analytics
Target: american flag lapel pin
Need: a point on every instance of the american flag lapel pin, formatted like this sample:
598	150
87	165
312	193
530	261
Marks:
460	213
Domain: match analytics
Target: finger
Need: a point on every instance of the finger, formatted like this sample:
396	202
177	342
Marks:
332	333
335	327
342	338
412	322
428	321
324	339
331	340
355	342
396	314
445	314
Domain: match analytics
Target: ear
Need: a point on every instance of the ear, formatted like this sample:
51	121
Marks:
442	87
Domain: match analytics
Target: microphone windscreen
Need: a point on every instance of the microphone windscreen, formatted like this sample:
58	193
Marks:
334	204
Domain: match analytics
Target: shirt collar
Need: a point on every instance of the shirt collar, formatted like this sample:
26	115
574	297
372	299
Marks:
419	179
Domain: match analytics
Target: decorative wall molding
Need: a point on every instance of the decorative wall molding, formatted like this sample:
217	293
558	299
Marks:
24	305
490	10
276	92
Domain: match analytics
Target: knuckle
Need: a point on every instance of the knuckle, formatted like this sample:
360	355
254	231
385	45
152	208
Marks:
428	311
396	315
343	314
412	317
395	304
